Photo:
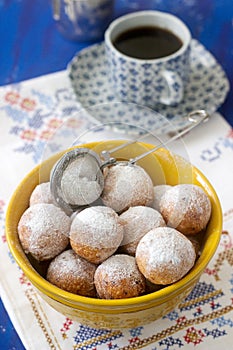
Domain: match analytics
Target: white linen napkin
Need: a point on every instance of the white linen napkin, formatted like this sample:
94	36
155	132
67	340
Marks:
29	115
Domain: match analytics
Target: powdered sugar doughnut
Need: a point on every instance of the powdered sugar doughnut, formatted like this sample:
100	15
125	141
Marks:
44	231
96	233
72	273
42	194
159	191
186	207
118	277
126	186
137	221
164	255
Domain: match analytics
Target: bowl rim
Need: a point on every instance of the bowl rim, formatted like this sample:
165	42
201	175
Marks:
57	293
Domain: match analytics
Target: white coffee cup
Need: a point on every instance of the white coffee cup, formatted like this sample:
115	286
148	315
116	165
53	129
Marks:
149	81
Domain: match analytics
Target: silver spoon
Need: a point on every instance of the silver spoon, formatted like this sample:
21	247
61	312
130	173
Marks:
77	178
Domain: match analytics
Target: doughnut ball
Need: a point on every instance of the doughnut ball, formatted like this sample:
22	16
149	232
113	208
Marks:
126	186
164	255
44	231
72	273
42	194
79	182
96	233
159	191
137	221
186	207
118	277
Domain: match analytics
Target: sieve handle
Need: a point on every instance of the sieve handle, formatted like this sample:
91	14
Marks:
195	117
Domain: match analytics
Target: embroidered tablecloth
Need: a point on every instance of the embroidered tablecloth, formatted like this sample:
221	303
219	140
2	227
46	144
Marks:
31	113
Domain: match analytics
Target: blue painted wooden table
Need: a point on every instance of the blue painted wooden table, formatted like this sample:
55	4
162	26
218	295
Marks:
31	46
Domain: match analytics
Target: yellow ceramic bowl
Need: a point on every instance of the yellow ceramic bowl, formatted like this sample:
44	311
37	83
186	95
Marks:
163	167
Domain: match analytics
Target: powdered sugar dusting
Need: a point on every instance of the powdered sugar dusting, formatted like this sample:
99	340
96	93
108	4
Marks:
165	255
119	267
127	185
119	277
159	191
69	262
42	194
186	207
97	226
72	273
138	221
47	230
47	217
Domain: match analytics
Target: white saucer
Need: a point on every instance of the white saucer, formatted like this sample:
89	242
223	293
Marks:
207	89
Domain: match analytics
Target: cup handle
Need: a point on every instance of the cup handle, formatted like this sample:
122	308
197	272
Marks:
174	88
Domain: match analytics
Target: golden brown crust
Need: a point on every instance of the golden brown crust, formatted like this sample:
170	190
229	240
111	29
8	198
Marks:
44	231
186	207
92	254
72	273
164	255
118	277
96	233
137	221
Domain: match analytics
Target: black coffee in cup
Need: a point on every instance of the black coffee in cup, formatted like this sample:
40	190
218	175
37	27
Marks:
147	42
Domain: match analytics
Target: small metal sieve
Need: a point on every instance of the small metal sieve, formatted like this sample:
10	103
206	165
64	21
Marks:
77	178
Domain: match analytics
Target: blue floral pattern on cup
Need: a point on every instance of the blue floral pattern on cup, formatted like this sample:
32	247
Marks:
206	89
148	81
145	84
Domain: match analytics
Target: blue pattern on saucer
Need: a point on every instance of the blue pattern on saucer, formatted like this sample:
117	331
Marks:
206	89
